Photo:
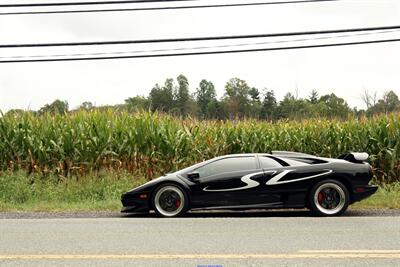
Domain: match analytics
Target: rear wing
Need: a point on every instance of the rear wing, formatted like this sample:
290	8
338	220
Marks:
356	157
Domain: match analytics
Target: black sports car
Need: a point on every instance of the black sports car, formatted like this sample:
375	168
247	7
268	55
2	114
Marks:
258	181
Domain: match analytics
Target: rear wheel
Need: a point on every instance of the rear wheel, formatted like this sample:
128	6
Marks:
329	198
170	200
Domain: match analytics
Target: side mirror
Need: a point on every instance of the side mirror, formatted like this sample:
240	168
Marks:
193	175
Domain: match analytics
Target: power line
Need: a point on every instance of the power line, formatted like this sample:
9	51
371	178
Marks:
161	8
92	3
209	38
203	53
197	47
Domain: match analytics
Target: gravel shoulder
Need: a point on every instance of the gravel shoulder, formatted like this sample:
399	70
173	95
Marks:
199	214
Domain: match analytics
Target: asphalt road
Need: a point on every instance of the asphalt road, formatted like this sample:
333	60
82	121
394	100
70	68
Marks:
201	239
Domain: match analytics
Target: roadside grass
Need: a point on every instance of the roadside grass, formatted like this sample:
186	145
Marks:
387	197
97	192
101	192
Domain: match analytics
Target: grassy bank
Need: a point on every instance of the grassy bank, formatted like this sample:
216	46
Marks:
101	192
89	193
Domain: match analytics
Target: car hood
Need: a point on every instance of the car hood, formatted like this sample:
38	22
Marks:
151	183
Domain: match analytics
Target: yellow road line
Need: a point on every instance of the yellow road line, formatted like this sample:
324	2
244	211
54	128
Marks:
330	255
390	251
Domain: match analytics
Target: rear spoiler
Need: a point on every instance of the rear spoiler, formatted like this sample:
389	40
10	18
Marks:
356	157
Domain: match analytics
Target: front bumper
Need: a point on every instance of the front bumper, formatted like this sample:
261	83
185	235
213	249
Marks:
362	192
129	209
132	203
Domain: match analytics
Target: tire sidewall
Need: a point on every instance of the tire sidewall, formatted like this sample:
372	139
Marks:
185	203
317	212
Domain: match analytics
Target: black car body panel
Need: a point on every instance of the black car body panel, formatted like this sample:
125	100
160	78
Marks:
244	181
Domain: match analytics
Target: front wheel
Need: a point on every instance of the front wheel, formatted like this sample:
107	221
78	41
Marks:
329	198
170	201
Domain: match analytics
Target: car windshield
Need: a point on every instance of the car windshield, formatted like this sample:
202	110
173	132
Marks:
230	164
195	166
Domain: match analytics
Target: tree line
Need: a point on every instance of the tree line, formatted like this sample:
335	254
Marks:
238	101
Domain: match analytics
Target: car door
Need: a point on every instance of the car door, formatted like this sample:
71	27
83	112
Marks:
288	184
227	182
271	167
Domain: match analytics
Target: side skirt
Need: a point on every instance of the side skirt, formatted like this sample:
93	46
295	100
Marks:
253	206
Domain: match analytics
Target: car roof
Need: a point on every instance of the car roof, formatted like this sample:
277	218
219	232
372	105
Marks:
285	154
243	155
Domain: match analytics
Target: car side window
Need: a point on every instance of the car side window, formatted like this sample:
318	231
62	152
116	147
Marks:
227	165
268	163
292	162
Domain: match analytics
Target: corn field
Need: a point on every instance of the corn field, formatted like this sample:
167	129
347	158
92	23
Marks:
150	143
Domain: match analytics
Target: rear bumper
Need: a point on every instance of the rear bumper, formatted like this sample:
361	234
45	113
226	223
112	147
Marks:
362	192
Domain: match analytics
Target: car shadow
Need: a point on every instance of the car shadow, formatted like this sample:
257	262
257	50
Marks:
224	213
252	214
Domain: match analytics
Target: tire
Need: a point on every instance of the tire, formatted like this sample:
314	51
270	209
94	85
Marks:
329	198
170	200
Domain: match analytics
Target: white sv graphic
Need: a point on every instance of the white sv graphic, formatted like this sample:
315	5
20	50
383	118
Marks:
273	181
245	179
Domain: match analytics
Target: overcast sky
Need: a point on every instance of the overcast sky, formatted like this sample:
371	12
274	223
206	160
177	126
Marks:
346	71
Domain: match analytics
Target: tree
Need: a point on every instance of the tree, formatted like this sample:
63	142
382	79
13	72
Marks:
182	95
236	97
268	105
291	107
389	103
254	95
86	106
137	103
162	98
369	98
255	103
168	94
206	99
318	109
336	106
156	98
216	110
313	98
57	107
